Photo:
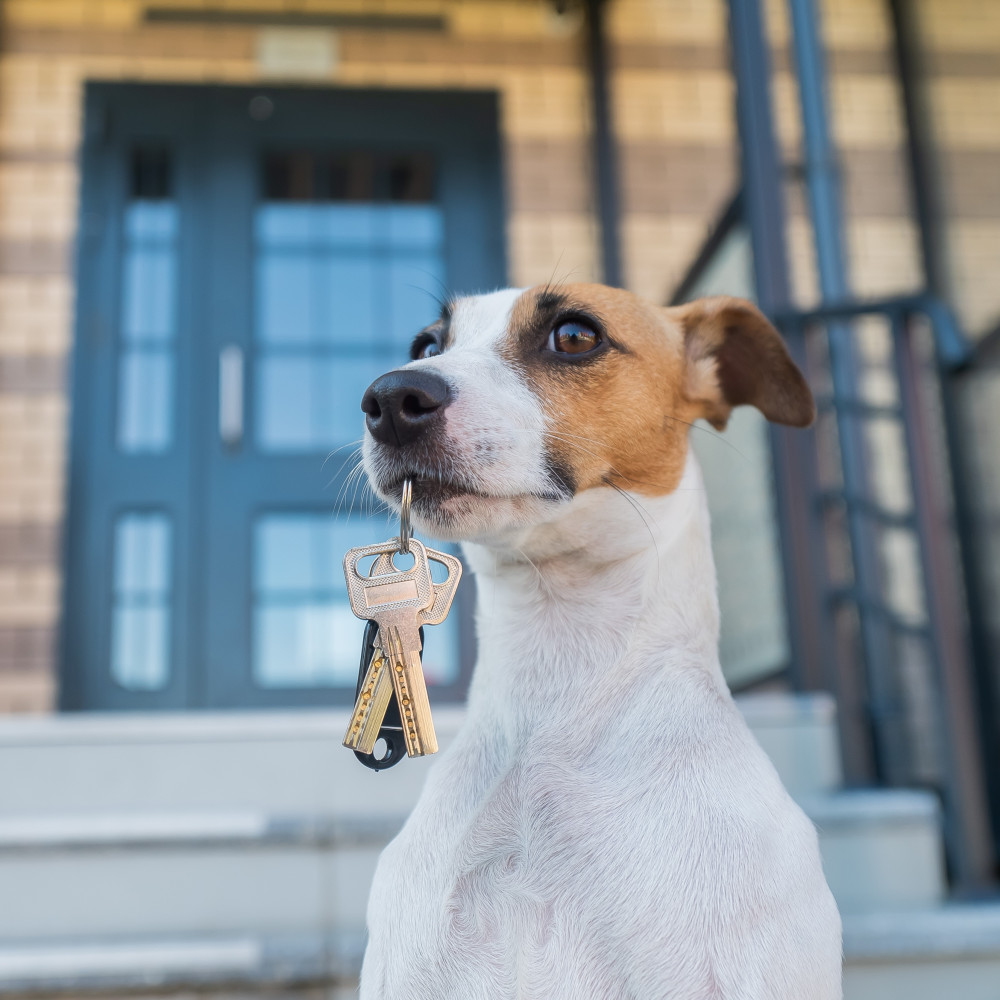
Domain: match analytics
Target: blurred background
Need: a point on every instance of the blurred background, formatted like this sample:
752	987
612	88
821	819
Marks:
220	219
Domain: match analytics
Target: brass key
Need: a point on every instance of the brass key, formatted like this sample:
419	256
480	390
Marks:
394	601
376	688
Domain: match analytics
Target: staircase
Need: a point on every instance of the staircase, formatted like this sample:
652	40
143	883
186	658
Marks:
231	854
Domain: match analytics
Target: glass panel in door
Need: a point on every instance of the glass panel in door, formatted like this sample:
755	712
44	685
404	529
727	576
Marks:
348	266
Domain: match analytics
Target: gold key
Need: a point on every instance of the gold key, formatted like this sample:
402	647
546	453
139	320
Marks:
394	600
377	687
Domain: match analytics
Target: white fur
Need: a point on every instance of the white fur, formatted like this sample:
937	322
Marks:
604	825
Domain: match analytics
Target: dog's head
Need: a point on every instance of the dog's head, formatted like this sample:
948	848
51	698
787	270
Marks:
517	401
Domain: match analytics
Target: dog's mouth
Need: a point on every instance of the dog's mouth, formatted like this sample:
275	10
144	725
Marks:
432	495
429	493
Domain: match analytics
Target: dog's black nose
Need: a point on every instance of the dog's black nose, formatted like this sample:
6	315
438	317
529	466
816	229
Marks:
402	405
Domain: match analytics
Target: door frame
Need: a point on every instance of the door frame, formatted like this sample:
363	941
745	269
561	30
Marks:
187	115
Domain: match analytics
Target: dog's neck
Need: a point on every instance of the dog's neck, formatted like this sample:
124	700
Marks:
618	591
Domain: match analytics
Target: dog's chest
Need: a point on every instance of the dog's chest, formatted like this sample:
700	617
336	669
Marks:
470	873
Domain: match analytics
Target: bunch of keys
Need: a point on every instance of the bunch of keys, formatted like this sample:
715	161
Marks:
391	702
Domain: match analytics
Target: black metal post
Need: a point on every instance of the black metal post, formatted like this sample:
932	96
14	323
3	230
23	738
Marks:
604	148
793	452
823	190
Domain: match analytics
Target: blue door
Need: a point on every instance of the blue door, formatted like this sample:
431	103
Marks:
249	261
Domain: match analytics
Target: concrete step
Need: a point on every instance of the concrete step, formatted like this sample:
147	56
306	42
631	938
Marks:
246	964
244	871
881	848
288	763
799	734
185	874
950	951
292	762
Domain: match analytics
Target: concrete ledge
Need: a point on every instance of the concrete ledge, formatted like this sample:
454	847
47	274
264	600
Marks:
189	727
100	966
872	806
780	709
956	930
186	830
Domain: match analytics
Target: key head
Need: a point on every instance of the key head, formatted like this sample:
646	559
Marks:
444	592
374	596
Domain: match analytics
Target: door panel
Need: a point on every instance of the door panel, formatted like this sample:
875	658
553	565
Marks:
243	277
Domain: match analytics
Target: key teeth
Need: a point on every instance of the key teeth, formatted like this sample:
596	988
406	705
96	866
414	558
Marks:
360	730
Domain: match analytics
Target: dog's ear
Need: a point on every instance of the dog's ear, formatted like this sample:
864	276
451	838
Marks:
734	356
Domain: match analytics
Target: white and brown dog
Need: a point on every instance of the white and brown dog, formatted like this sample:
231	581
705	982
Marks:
604	825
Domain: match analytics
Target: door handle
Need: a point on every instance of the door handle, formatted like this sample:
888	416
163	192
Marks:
231	396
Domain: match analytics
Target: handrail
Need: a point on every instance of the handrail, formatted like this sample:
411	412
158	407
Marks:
954	350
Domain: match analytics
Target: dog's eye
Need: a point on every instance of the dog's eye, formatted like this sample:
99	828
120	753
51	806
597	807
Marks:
430	349
573	338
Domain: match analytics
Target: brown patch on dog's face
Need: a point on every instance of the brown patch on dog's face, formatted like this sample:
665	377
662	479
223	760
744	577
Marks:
619	413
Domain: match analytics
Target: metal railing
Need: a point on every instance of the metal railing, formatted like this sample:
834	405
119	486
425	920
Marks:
892	554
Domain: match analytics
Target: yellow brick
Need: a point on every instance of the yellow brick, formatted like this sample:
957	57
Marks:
776	22
38	200
27	694
39	104
35	314
32	457
961	25
549	103
966	111
884	256
866	111
802	261
54	13
689	107
855	24
670	21
975	259
657	250
551	246
29	596
491	19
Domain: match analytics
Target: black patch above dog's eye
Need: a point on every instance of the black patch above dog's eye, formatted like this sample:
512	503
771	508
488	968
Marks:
425	346
573	337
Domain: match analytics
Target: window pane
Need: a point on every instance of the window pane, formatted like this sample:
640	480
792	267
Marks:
148	314
141	612
416	286
151	222
286	293
307	644
285	408
142	556
145	401
418	227
279	225
139	647
349	286
349	225
305	634
310	403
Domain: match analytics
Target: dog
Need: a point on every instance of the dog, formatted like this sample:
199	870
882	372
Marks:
604	826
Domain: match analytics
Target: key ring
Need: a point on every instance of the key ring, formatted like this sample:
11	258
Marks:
405	528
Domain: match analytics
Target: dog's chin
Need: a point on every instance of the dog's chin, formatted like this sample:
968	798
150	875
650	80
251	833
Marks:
455	513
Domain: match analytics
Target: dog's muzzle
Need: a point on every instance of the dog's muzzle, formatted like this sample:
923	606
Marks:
403	406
